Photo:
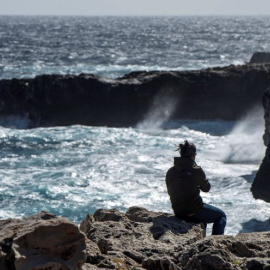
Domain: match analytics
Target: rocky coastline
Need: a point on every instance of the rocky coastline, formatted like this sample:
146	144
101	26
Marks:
59	100
260	186
137	239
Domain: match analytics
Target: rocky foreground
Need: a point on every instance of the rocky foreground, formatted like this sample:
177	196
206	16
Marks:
58	100
137	239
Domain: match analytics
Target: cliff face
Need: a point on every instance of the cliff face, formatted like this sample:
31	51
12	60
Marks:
261	184
50	100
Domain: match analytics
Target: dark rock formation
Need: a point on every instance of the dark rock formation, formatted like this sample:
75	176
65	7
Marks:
255	225
261	184
49	100
260	57
42	241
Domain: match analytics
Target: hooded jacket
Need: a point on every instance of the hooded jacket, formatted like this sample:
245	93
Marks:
184	182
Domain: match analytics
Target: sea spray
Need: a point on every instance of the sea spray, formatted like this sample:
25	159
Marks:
162	108
14	121
245	143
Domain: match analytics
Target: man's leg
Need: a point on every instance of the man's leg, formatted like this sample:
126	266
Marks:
211	214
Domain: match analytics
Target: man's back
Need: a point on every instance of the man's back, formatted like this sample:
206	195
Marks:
184	181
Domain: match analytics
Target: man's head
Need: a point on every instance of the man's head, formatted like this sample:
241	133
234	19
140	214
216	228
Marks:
187	150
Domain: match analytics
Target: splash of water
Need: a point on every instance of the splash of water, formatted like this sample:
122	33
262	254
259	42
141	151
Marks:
245	143
163	107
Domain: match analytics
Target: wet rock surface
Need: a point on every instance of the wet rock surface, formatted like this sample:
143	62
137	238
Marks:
55	100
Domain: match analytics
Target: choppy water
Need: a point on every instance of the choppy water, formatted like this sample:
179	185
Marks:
113	46
71	171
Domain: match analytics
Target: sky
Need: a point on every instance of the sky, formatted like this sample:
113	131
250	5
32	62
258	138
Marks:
134	7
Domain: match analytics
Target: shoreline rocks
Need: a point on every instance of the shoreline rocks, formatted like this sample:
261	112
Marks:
60	100
138	239
260	57
42	241
261	185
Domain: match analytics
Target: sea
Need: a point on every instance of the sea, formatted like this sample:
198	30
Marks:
71	171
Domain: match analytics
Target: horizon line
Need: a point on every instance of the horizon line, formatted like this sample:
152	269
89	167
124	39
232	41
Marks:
139	15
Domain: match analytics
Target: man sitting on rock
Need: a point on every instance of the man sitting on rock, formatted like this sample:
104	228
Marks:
184	182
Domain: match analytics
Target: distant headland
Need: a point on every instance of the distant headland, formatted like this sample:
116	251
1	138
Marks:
58	100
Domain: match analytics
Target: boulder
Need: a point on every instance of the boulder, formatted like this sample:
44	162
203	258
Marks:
137	238
261	185
42	241
59	100
260	57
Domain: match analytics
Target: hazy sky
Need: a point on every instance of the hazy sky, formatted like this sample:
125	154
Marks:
135	7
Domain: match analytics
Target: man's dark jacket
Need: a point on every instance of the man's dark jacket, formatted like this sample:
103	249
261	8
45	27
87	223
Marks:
184	182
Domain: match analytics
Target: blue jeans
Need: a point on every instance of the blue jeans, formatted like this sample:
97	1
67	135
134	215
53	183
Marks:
209	214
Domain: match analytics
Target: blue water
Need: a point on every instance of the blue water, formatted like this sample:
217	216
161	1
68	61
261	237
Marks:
71	171
113	46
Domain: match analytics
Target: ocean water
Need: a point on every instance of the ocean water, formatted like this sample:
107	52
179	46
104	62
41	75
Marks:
72	171
113	46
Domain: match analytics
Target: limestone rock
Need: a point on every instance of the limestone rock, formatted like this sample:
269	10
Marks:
243	252
138	238
260	57
42	241
261	185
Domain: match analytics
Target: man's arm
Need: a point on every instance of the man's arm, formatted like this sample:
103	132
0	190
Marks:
167	179
203	183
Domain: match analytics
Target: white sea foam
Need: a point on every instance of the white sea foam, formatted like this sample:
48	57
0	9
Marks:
163	107
157	44
71	171
245	143
14	121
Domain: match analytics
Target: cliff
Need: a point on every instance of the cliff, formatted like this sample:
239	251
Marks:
53	100
137	239
261	185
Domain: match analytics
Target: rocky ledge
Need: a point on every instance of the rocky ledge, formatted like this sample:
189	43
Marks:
260	57
137	239
261	184
216	93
